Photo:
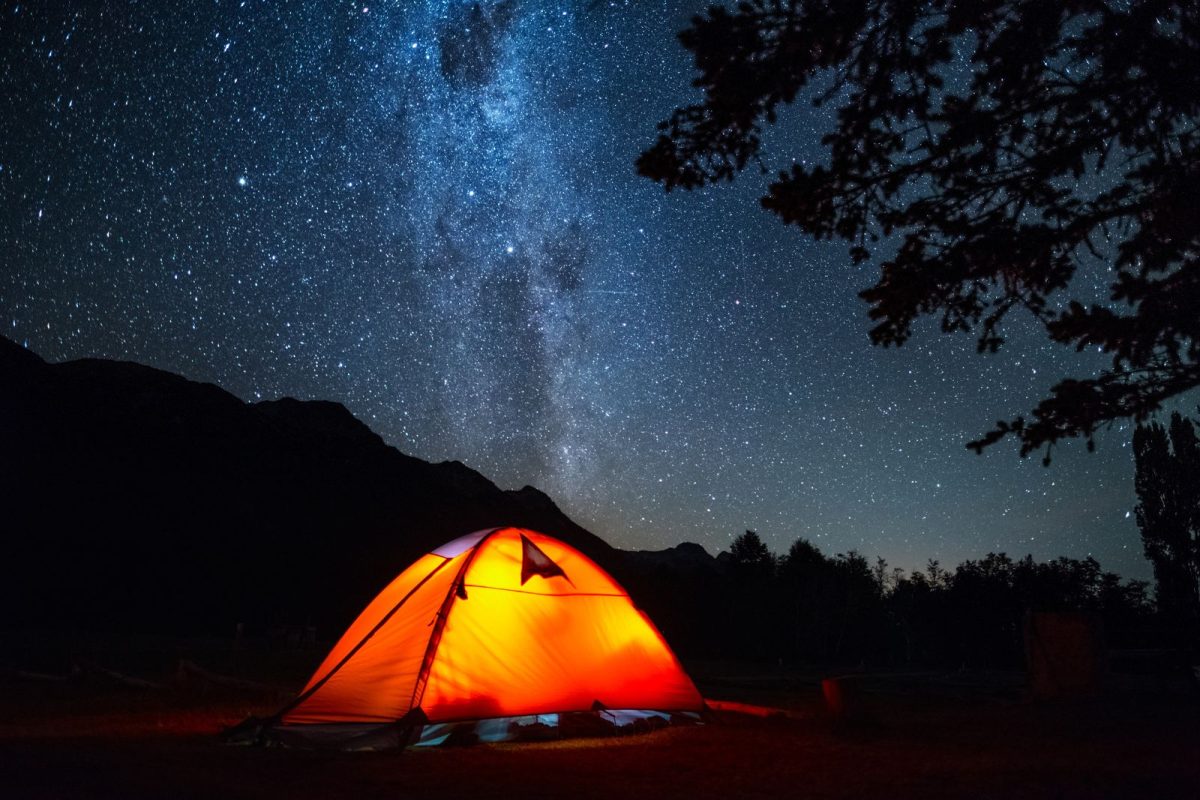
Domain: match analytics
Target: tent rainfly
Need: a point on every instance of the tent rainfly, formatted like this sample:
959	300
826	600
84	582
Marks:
504	625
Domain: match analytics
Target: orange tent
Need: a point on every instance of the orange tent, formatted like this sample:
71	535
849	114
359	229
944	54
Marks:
501	623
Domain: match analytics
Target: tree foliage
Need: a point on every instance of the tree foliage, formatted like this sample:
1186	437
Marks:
748	595
750	551
818	609
1168	514
1019	154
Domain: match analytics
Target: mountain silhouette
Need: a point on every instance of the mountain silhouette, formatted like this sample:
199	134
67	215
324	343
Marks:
134	499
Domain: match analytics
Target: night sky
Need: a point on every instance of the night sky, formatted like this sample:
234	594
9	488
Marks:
429	212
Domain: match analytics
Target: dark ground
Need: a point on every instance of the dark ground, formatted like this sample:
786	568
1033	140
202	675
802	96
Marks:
87	733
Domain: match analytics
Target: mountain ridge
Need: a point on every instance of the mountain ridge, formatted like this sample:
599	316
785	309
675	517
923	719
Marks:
137	498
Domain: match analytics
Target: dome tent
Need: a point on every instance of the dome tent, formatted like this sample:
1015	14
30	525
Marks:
505	624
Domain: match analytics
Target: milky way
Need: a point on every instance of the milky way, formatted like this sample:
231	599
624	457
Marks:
429	212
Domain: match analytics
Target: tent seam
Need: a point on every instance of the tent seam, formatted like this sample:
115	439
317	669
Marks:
361	642
544	594
439	625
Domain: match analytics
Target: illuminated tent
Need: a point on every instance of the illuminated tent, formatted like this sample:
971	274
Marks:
504	624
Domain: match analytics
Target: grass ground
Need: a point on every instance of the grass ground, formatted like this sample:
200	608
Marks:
930	736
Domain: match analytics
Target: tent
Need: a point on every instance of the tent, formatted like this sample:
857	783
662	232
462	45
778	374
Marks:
504	625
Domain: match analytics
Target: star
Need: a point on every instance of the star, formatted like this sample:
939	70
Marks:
456	246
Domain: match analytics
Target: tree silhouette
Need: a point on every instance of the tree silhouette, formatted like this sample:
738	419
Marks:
1168	514
809	608
1024	153
807	589
749	551
751	597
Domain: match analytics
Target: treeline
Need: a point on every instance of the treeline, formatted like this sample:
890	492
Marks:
805	607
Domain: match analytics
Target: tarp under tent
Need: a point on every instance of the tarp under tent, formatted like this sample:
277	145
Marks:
496	632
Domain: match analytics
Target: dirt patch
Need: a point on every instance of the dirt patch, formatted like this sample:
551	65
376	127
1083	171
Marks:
953	736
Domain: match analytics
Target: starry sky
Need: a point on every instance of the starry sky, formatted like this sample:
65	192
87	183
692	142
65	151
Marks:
428	211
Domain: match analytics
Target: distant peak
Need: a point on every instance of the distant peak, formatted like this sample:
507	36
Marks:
533	498
687	555
13	354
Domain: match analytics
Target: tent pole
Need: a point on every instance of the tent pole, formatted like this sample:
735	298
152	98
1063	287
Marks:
439	624
278	715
